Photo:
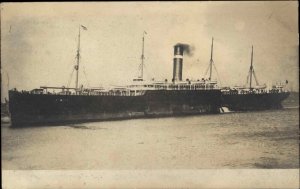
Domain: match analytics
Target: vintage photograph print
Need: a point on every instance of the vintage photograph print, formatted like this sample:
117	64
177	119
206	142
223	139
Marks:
150	94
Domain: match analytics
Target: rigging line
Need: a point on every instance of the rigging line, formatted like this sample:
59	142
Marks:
71	75
217	74
140	68
247	81
255	78
70	78
85	75
206	70
70	65
142	65
138	71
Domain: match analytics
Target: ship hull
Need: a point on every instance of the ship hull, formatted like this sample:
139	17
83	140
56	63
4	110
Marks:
249	102
43	109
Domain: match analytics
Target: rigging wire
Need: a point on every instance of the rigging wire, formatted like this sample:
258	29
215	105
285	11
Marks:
140	68
88	84
256	80
247	81
70	77
206	70
217	74
253	72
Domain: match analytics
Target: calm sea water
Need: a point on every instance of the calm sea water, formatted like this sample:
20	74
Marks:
265	139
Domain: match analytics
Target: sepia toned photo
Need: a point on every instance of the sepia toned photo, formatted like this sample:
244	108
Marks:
150	94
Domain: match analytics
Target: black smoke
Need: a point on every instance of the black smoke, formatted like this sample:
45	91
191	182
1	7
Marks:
187	49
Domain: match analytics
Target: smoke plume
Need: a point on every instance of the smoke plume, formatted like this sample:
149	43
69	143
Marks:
187	49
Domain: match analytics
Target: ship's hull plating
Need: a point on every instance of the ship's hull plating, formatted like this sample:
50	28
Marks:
40	109
248	102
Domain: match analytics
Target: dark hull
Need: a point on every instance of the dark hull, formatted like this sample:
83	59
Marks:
248	102
39	109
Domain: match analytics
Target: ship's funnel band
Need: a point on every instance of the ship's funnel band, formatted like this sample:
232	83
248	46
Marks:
178	56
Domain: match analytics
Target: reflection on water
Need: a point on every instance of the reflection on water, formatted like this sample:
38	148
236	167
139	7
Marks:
266	139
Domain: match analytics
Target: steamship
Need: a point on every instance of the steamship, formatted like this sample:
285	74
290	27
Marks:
139	99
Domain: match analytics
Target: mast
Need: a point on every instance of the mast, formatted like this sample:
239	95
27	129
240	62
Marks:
78	57
251	69
142	57
211	59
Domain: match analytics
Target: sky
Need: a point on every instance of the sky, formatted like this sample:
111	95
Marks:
39	42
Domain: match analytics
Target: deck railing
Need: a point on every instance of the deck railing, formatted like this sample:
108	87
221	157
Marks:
259	91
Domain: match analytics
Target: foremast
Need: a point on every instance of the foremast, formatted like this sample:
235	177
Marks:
78	60
76	67
141	76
